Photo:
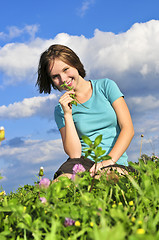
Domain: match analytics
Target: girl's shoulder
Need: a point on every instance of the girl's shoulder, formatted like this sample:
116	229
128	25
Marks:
102	84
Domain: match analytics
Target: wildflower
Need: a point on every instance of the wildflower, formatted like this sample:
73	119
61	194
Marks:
120	204
41	172
68	222
114	205
100	209
140	231
139	222
91	224
77	223
24	209
3	193
43	199
131	203
133	219
112	177
78	168
44	183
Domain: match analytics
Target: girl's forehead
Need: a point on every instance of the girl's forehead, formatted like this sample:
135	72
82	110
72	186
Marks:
56	65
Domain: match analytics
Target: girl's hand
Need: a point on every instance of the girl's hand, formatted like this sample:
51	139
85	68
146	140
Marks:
99	166
65	101
94	169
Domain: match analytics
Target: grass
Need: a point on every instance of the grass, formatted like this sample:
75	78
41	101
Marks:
117	208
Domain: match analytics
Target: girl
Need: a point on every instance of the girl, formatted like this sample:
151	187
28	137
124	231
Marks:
103	111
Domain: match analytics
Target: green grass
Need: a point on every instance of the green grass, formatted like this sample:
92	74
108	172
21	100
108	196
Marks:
117	208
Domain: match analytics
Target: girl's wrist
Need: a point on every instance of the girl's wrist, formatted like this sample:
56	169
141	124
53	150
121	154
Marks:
113	160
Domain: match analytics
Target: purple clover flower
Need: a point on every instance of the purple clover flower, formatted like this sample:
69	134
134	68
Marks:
78	168
68	222
44	183
43	200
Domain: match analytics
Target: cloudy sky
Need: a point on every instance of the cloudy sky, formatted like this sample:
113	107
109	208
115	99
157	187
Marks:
117	39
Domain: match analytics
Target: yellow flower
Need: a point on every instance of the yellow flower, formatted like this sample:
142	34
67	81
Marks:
114	205
77	223
24	209
133	219
2	193
131	203
45	211
139	222
120	204
140	231
91	224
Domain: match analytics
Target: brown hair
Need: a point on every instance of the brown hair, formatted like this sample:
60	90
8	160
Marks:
63	53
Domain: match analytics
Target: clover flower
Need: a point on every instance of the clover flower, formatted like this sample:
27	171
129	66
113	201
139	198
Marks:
43	199
78	168
44	183
100	209
68	222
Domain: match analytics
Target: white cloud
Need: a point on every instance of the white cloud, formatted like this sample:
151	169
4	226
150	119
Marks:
39	106
47	151
27	159
130	57
14	32
85	6
143	104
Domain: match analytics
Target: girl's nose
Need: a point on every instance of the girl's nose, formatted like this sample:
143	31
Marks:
63	77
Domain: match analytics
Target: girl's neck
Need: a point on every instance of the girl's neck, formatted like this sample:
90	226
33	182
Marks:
84	90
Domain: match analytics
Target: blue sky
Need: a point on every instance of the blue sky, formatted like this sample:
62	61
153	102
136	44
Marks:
117	39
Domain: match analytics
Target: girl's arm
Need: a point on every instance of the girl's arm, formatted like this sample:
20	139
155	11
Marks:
126	126
125	136
70	139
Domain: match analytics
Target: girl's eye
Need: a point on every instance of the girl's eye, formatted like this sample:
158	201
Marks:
65	69
54	77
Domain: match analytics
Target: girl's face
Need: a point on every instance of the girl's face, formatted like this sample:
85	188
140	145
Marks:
61	72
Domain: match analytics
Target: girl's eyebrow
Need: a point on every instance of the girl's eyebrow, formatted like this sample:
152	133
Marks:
53	76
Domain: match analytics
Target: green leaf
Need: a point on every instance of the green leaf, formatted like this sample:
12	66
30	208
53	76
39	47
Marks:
98	140
87	140
74	102
98	151
28	219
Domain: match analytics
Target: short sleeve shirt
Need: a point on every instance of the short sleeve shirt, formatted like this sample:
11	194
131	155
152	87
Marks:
98	117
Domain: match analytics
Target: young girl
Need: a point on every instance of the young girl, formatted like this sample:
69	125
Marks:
104	112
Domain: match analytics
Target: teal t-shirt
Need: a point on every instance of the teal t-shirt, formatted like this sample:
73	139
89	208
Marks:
98	118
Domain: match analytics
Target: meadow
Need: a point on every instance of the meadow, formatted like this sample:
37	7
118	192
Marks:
113	207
